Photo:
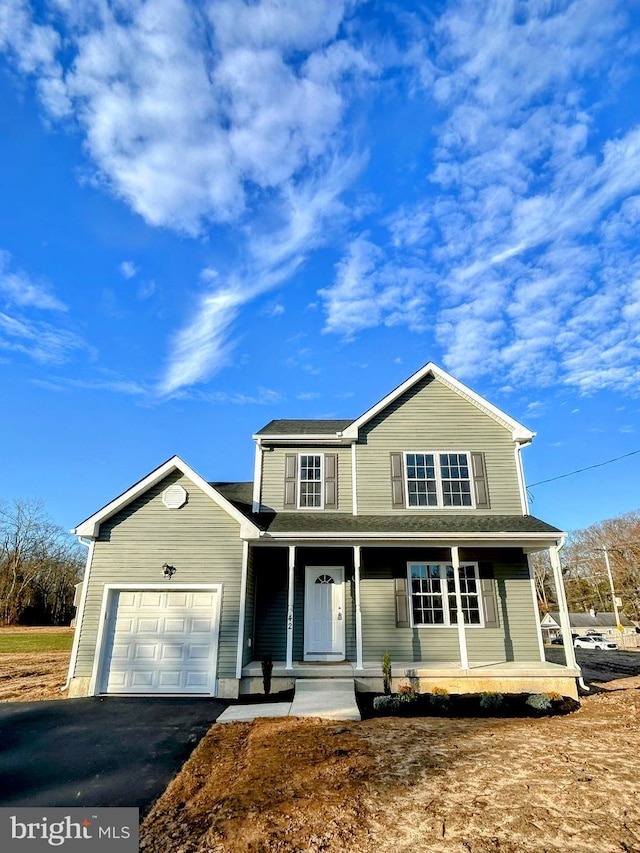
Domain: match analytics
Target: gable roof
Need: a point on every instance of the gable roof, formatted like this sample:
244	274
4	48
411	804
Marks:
90	527
347	430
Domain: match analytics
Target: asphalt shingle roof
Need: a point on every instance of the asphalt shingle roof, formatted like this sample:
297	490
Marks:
304	427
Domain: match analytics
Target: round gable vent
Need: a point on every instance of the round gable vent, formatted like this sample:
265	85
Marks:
174	497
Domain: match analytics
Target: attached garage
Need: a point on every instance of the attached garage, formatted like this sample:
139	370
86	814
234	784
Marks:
159	640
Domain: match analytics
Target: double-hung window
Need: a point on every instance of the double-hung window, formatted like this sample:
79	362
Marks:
438	479
433	597
310	480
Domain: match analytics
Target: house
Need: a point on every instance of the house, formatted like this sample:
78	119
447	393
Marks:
405	530
592	622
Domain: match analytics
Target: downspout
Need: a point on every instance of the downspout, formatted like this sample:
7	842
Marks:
88	543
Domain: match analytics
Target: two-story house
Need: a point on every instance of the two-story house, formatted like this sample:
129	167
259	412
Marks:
405	531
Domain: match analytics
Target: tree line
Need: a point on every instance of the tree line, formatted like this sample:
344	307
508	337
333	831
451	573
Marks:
40	564
584	569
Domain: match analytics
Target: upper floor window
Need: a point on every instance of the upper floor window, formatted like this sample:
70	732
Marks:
438	479
310	486
310	481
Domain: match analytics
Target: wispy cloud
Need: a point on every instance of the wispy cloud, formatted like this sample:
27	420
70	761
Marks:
21	329
222	112
128	269
20	289
525	248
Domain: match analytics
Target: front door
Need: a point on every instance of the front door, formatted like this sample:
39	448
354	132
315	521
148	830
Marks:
324	635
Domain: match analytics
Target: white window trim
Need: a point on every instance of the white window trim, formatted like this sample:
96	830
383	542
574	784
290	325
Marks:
445	594
301	481
439	494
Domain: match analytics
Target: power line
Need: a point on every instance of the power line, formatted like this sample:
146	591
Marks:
580	470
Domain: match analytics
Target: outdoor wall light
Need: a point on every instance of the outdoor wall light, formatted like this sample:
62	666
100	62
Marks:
168	571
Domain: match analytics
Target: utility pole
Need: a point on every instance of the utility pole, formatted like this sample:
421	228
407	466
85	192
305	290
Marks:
613	595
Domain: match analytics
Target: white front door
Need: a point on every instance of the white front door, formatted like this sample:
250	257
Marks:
324	634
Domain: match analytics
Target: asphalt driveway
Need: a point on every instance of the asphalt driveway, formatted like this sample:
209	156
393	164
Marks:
99	751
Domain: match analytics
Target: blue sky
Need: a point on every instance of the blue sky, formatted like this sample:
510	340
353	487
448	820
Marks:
217	213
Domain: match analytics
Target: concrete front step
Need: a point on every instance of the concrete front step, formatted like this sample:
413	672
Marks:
327	698
330	699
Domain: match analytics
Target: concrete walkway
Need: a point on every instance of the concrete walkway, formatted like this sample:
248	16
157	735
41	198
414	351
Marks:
328	698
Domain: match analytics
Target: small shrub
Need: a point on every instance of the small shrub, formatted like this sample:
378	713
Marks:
491	701
439	699
386	673
406	693
387	704
267	669
555	697
539	702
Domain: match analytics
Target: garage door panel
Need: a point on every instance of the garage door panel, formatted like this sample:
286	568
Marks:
155	645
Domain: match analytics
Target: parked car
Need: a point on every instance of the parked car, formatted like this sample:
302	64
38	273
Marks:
595	641
557	641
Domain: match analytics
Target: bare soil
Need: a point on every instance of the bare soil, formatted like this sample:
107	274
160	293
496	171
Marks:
566	784
554	784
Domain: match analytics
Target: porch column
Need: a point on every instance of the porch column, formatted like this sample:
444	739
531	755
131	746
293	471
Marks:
290	594
565	626
356	575
462	637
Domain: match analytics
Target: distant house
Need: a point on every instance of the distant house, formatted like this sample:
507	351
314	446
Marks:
589	623
404	530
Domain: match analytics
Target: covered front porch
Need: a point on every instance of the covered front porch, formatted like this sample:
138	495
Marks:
461	617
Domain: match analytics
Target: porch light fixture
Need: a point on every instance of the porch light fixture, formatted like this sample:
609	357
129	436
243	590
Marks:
168	571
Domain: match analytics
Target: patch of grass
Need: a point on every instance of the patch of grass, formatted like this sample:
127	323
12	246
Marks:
30	642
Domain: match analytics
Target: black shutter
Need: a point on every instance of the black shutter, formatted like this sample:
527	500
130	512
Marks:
480	480
402	603
397	481
488	595
331	481
290	480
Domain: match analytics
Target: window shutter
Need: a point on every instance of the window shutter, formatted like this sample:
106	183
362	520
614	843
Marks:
290	480
488	595
397	481
402	603
331	481
480	480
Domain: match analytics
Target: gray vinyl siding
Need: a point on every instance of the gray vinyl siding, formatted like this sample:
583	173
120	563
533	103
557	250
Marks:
272	577
430	416
516	639
273	462
200	539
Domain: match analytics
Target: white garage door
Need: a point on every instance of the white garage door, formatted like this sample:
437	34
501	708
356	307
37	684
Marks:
161	641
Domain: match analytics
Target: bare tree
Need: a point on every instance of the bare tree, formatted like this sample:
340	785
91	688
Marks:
39	564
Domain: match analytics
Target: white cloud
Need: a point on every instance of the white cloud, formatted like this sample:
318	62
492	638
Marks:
128	269
19	289
43	342
525	251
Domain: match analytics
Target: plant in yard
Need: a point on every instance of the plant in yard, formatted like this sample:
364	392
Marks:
267	669
539	702
386	672
406	693
439	698
555	697
491	701
386	703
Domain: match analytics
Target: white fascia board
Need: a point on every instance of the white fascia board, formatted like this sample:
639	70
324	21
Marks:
519	432
91	526
328	438
525	541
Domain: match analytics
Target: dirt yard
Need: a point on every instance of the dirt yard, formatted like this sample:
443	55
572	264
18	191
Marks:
567	784
555	785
